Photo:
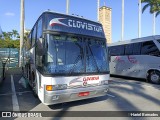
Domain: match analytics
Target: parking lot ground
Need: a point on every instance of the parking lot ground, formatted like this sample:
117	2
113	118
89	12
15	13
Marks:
124	95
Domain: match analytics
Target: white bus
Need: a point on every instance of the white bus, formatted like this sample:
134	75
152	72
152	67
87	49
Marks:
66	58
139	58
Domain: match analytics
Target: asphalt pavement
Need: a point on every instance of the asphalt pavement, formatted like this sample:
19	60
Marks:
124	95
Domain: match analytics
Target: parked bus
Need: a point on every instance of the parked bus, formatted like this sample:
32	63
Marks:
139	58
66	58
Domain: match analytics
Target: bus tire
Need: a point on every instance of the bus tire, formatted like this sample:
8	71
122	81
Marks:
4	73
23	71
154	77
34	85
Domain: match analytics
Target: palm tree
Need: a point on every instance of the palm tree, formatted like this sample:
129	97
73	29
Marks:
4	34
15	33
154	6
158	9
10	35
7	35
157	13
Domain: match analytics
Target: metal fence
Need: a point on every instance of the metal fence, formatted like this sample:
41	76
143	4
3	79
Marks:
10	56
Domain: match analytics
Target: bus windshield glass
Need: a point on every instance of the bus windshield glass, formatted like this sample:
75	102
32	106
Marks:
71	55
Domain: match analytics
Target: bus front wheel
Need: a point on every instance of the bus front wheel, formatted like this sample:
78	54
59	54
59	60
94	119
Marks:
34	85
154	77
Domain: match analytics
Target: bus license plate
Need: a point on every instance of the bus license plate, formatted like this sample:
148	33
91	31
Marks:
81	94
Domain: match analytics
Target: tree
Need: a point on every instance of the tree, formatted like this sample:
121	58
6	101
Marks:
26	36
6	35
10	35
157	13
1	36
158	8
9	43
15	34
154	6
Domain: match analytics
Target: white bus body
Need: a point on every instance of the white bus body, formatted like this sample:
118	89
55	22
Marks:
77	88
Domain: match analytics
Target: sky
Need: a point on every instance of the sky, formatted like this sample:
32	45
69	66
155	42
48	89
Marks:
10	15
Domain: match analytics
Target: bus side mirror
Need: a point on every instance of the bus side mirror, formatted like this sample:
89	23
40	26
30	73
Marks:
40	51
109	56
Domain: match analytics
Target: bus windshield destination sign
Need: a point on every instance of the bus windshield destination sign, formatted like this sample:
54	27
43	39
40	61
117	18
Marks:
75	24
71	24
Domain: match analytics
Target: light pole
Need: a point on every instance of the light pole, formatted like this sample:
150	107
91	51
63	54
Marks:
122	34
139	18
67	7
98	1
154	23
21	31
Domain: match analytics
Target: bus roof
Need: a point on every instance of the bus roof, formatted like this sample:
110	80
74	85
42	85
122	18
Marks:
71	24
75	16
136	40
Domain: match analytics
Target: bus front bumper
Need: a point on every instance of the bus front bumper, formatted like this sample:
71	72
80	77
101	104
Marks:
61	96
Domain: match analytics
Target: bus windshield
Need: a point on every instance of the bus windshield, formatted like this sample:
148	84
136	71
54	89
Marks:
70	55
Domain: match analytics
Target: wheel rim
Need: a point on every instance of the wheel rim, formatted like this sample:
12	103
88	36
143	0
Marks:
155	78
34	84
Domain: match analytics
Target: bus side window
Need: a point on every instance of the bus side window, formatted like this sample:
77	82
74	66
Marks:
129	49
137	48
117	50
149	48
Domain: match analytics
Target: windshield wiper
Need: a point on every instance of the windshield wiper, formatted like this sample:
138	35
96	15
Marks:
80	56
93	58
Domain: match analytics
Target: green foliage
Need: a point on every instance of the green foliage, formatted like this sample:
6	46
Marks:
10	40
11	35
157	13
16	43
154	6
15	34
9	43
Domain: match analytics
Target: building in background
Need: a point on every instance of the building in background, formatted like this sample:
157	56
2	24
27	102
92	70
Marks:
105	19
27	31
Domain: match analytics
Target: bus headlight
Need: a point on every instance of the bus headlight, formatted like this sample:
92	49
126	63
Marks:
56	87
104	82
